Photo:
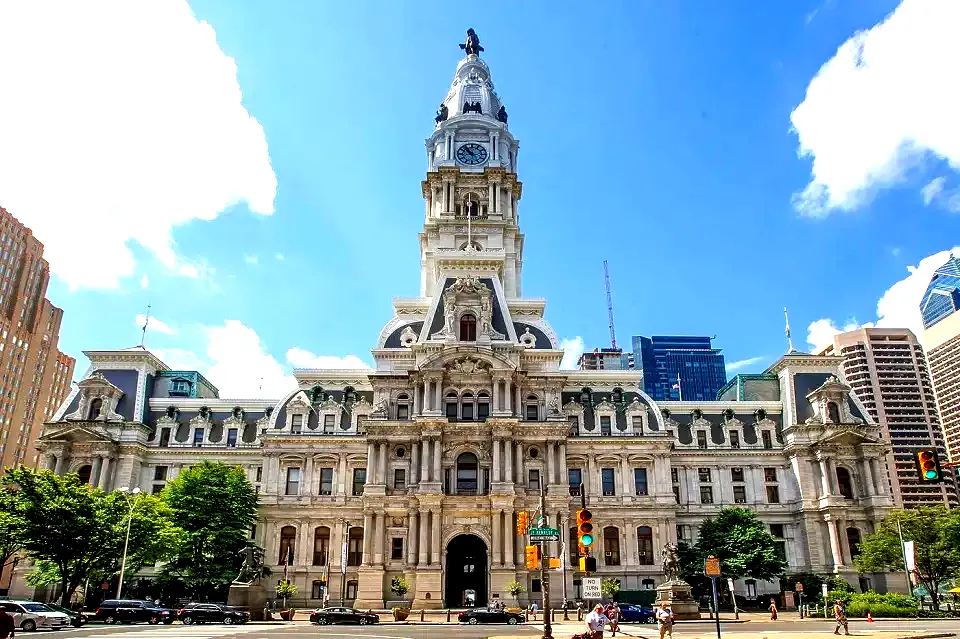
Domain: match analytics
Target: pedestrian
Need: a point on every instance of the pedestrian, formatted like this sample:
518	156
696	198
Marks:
533	610
594	623
7	627
773	610
665	620
613	614
841	616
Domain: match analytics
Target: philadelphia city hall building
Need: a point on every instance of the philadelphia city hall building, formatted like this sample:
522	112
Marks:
419	466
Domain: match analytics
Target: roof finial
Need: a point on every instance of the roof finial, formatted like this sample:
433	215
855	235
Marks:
791	349
472	45
146	321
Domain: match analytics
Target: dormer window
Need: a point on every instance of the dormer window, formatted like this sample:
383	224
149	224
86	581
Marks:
95	407
468	328
833	412
180	388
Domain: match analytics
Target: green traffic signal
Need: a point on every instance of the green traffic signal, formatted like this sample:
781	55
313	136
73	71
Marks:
586	540
930	474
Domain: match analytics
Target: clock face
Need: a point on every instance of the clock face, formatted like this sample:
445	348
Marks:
471	154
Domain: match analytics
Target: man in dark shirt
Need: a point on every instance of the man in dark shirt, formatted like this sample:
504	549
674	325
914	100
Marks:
6	625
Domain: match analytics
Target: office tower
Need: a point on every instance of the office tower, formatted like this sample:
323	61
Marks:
942	339
693	360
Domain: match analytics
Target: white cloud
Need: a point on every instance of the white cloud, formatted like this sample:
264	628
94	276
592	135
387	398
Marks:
252	260
144	281
899	307
933	189
280	257
879	104
180	359
301	358
135	114
155	324
743	363
572	350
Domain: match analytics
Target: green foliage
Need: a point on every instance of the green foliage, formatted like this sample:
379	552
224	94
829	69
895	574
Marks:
740	541
935	531
609	587
880	605
812	584
215	506
399	586
286	589
515	588
11	537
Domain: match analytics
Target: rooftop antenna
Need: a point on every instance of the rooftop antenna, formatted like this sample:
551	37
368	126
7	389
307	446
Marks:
146	322
791	349
606	279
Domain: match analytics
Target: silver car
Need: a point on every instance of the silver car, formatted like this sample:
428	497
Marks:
30	615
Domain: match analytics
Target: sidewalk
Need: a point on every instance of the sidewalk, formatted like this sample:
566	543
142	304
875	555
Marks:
565	631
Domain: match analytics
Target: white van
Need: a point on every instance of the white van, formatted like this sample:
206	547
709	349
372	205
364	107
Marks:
30	615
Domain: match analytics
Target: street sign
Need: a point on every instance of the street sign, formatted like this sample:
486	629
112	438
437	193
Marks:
711	567
590	588
544	534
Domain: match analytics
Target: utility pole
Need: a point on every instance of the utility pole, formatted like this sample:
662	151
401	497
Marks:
545	571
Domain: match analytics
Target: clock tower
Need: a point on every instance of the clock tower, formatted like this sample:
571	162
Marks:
471	189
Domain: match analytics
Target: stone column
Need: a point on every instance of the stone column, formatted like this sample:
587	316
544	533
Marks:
867	481
508	453
832	477
371	463
105	482
507	396
383	463
306	486
368	534
495	399
95	472
303	545
342	475
520	478
496	462
416	399
435	521
423	527
842	539
625	487
437	474
496	529
437	398
879	477
379	530
414	463
564	479
508	539
549	479
61	463
835	544
425	461
412	538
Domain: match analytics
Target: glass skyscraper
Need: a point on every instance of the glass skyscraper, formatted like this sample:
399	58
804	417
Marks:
665	358
942	297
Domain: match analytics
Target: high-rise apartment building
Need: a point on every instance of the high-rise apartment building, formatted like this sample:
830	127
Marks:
609	359
692	360
939	307
34	375
887	370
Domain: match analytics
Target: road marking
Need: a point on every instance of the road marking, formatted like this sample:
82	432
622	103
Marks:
338	634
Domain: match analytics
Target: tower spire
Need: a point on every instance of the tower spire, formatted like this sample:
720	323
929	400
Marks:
146	322
790	347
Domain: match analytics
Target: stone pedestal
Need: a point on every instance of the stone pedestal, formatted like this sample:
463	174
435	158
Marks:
369	588
251	597
680	598
428	592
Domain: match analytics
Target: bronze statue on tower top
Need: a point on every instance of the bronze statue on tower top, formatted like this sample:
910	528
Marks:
472	45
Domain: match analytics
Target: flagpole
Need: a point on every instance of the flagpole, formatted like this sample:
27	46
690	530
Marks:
680	387
789	339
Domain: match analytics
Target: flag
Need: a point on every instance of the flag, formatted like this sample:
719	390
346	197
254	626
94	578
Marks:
677	386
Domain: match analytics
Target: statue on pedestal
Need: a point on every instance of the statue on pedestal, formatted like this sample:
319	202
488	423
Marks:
472	45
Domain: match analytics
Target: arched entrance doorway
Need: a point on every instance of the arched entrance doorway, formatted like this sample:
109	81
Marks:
466	572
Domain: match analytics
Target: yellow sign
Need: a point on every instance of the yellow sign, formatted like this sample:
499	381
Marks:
555	563
711	567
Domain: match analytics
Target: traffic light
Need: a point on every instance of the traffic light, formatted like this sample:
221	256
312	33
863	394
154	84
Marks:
585	527
523	523
928	465
588	564
532	556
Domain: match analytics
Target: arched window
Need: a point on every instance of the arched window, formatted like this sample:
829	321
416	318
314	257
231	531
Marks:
532	409
483	405
467	474
288	545
355	547
321	546
833	412
95	407
844	482
466	407
611	546
853	541
645	545
468	328
403	407
83	474
451	405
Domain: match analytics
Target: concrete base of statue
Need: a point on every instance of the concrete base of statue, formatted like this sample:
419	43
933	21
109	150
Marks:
251	597
679	597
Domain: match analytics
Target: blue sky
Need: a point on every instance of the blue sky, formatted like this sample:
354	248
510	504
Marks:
663	137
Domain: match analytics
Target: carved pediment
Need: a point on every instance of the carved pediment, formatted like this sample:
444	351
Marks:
572	408
468	295
468	365
299	403
98	400
75	433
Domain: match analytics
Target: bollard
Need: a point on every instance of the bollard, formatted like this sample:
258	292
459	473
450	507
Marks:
553	614
421	614
448	615
579	614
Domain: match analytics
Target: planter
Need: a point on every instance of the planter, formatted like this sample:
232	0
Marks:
400	614
287	615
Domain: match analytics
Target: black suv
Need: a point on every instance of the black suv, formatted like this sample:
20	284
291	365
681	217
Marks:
132	610
213	613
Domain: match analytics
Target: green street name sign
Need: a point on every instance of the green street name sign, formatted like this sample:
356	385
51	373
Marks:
544	534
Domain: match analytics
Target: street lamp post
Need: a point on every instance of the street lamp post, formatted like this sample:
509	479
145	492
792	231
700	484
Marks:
126	542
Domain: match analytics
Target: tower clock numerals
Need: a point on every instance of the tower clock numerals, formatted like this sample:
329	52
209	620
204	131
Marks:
471	154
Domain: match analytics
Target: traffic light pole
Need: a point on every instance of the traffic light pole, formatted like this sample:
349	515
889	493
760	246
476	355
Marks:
545	573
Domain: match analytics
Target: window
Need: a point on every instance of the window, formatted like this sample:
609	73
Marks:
403	412
179	388
605	425
640	480
736	474
359	479
844	483
833	413
396	548
706	494
767	440
739	494
321	546
326	481
231	437
637	422
533	410
160	473
773	495
675	475
399	479
704	475
352	589
574	479
293	481
776	530
259	473
735	439
533	479
573	423
288	540
355	547
317	590
483	406
164	437
853	541
296	424
770	474
536	586
611	546
451	405
95	407
468	328
157	489
645	545
467	474
681	532
780	547
197	437
701	439
329	421
676	493
466	407
609	486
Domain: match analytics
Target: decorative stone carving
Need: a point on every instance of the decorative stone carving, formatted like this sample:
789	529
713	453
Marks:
467	295
528	339
408	337
97	387
468	365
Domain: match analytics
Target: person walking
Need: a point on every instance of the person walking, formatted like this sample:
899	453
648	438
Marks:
665	620
613	615
840	614
594	623
7	627
773	610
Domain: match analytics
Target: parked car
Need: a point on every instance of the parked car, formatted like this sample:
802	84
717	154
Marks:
324	616
77	618
488	615
212	613
30	615
131	611
632	613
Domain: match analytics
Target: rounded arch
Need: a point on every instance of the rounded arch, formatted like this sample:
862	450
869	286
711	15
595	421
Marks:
845	482
467	564
467	473
288	545
84	473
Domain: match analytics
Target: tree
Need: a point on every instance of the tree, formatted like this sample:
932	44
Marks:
515	588
609	587
215	506
10	525
286	589
399	586
935	531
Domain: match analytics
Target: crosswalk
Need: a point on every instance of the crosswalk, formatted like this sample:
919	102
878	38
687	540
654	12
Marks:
201	631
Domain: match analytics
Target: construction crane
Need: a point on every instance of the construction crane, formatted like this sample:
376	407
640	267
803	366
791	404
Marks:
606	279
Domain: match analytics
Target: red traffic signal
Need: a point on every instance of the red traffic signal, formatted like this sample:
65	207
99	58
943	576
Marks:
928	465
